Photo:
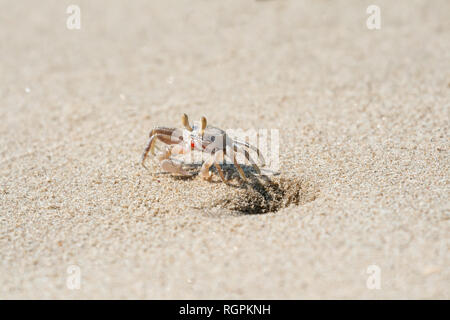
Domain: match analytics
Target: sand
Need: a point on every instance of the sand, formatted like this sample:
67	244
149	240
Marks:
363	117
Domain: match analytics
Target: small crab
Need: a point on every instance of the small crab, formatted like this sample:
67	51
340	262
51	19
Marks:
200	137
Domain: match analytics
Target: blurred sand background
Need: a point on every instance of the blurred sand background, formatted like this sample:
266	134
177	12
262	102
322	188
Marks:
364	124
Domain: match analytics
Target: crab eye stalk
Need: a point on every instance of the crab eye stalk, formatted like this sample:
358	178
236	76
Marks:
185	122
203	125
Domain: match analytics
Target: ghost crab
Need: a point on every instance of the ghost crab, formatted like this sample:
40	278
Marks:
200	137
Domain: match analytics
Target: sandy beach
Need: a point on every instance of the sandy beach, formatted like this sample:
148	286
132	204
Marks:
358	210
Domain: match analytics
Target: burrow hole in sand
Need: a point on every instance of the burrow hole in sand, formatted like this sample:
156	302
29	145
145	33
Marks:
268	195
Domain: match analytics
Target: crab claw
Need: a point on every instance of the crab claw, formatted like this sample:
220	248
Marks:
170	166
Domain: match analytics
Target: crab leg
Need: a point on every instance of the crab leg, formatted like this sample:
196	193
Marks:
248	157
219	157
249	146
167	139
232	155
241	172
213	159
162	130
204	171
